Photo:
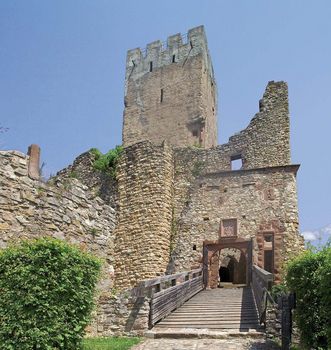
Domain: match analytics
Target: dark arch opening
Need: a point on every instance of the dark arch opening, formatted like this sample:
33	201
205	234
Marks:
234	271
227	272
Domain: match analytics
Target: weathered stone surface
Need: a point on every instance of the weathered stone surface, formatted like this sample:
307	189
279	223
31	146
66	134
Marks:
168	198
34	166
99	183
145	185
171	93
62	209
225	195
235	343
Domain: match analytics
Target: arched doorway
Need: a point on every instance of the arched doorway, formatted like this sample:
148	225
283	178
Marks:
232	266
227	260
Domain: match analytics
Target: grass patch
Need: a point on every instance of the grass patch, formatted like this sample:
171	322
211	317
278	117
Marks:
112	343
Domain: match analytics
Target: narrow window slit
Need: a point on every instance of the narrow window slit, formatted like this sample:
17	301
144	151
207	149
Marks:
151	66
161	96
173	58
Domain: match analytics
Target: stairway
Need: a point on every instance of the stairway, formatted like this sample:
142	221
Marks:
221	309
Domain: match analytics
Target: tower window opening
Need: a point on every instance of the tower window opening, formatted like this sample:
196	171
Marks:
161	96
173	58
236	162
195	133
151	66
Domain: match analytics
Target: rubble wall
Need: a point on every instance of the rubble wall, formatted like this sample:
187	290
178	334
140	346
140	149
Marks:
63	209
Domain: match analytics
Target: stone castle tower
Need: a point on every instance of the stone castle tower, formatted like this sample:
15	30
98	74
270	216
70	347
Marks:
170	93
172	207
175	200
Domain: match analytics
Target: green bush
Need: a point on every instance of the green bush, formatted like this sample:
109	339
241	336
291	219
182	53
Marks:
46	295
308	275
107	162
277	290
325	273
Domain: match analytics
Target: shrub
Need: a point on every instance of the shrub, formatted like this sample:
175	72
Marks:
107	162
305	278
325	273
46	295
277	290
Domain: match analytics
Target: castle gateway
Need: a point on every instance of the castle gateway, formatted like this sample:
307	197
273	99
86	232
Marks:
181	194
179	200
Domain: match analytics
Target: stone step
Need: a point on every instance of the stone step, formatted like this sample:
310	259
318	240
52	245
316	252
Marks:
243	327
184	333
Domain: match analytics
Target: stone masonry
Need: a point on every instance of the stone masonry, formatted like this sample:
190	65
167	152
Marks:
170	93
204	192
61	208
145	185
175	188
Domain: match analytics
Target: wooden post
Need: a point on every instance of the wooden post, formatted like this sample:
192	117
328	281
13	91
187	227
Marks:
150	316
173	282
205	266
286	322
249	264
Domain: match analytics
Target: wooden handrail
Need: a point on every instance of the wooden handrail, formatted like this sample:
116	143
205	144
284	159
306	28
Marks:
146	287
263	274
261	284
163	302
158	280
166	297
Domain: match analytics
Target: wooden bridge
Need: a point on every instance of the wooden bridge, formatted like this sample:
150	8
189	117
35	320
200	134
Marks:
183	301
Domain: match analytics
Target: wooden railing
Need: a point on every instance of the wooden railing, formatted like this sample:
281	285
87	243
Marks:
261	284
169	292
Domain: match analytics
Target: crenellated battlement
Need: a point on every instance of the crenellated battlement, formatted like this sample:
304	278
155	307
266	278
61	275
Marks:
176	49
170	92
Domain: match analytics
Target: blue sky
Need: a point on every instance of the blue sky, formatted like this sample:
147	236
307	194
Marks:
62	75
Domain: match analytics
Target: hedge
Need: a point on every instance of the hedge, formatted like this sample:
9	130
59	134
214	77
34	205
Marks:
46	295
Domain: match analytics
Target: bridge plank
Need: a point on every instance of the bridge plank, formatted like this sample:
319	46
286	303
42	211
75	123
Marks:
216	309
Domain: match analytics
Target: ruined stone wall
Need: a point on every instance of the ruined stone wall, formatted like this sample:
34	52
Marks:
63	209
266	140
264	143
175	98
261	200
145	188
99	183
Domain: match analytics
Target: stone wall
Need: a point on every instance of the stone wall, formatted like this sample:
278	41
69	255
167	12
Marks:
145	189
99	183
175	99
261	201
62	208
120	314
